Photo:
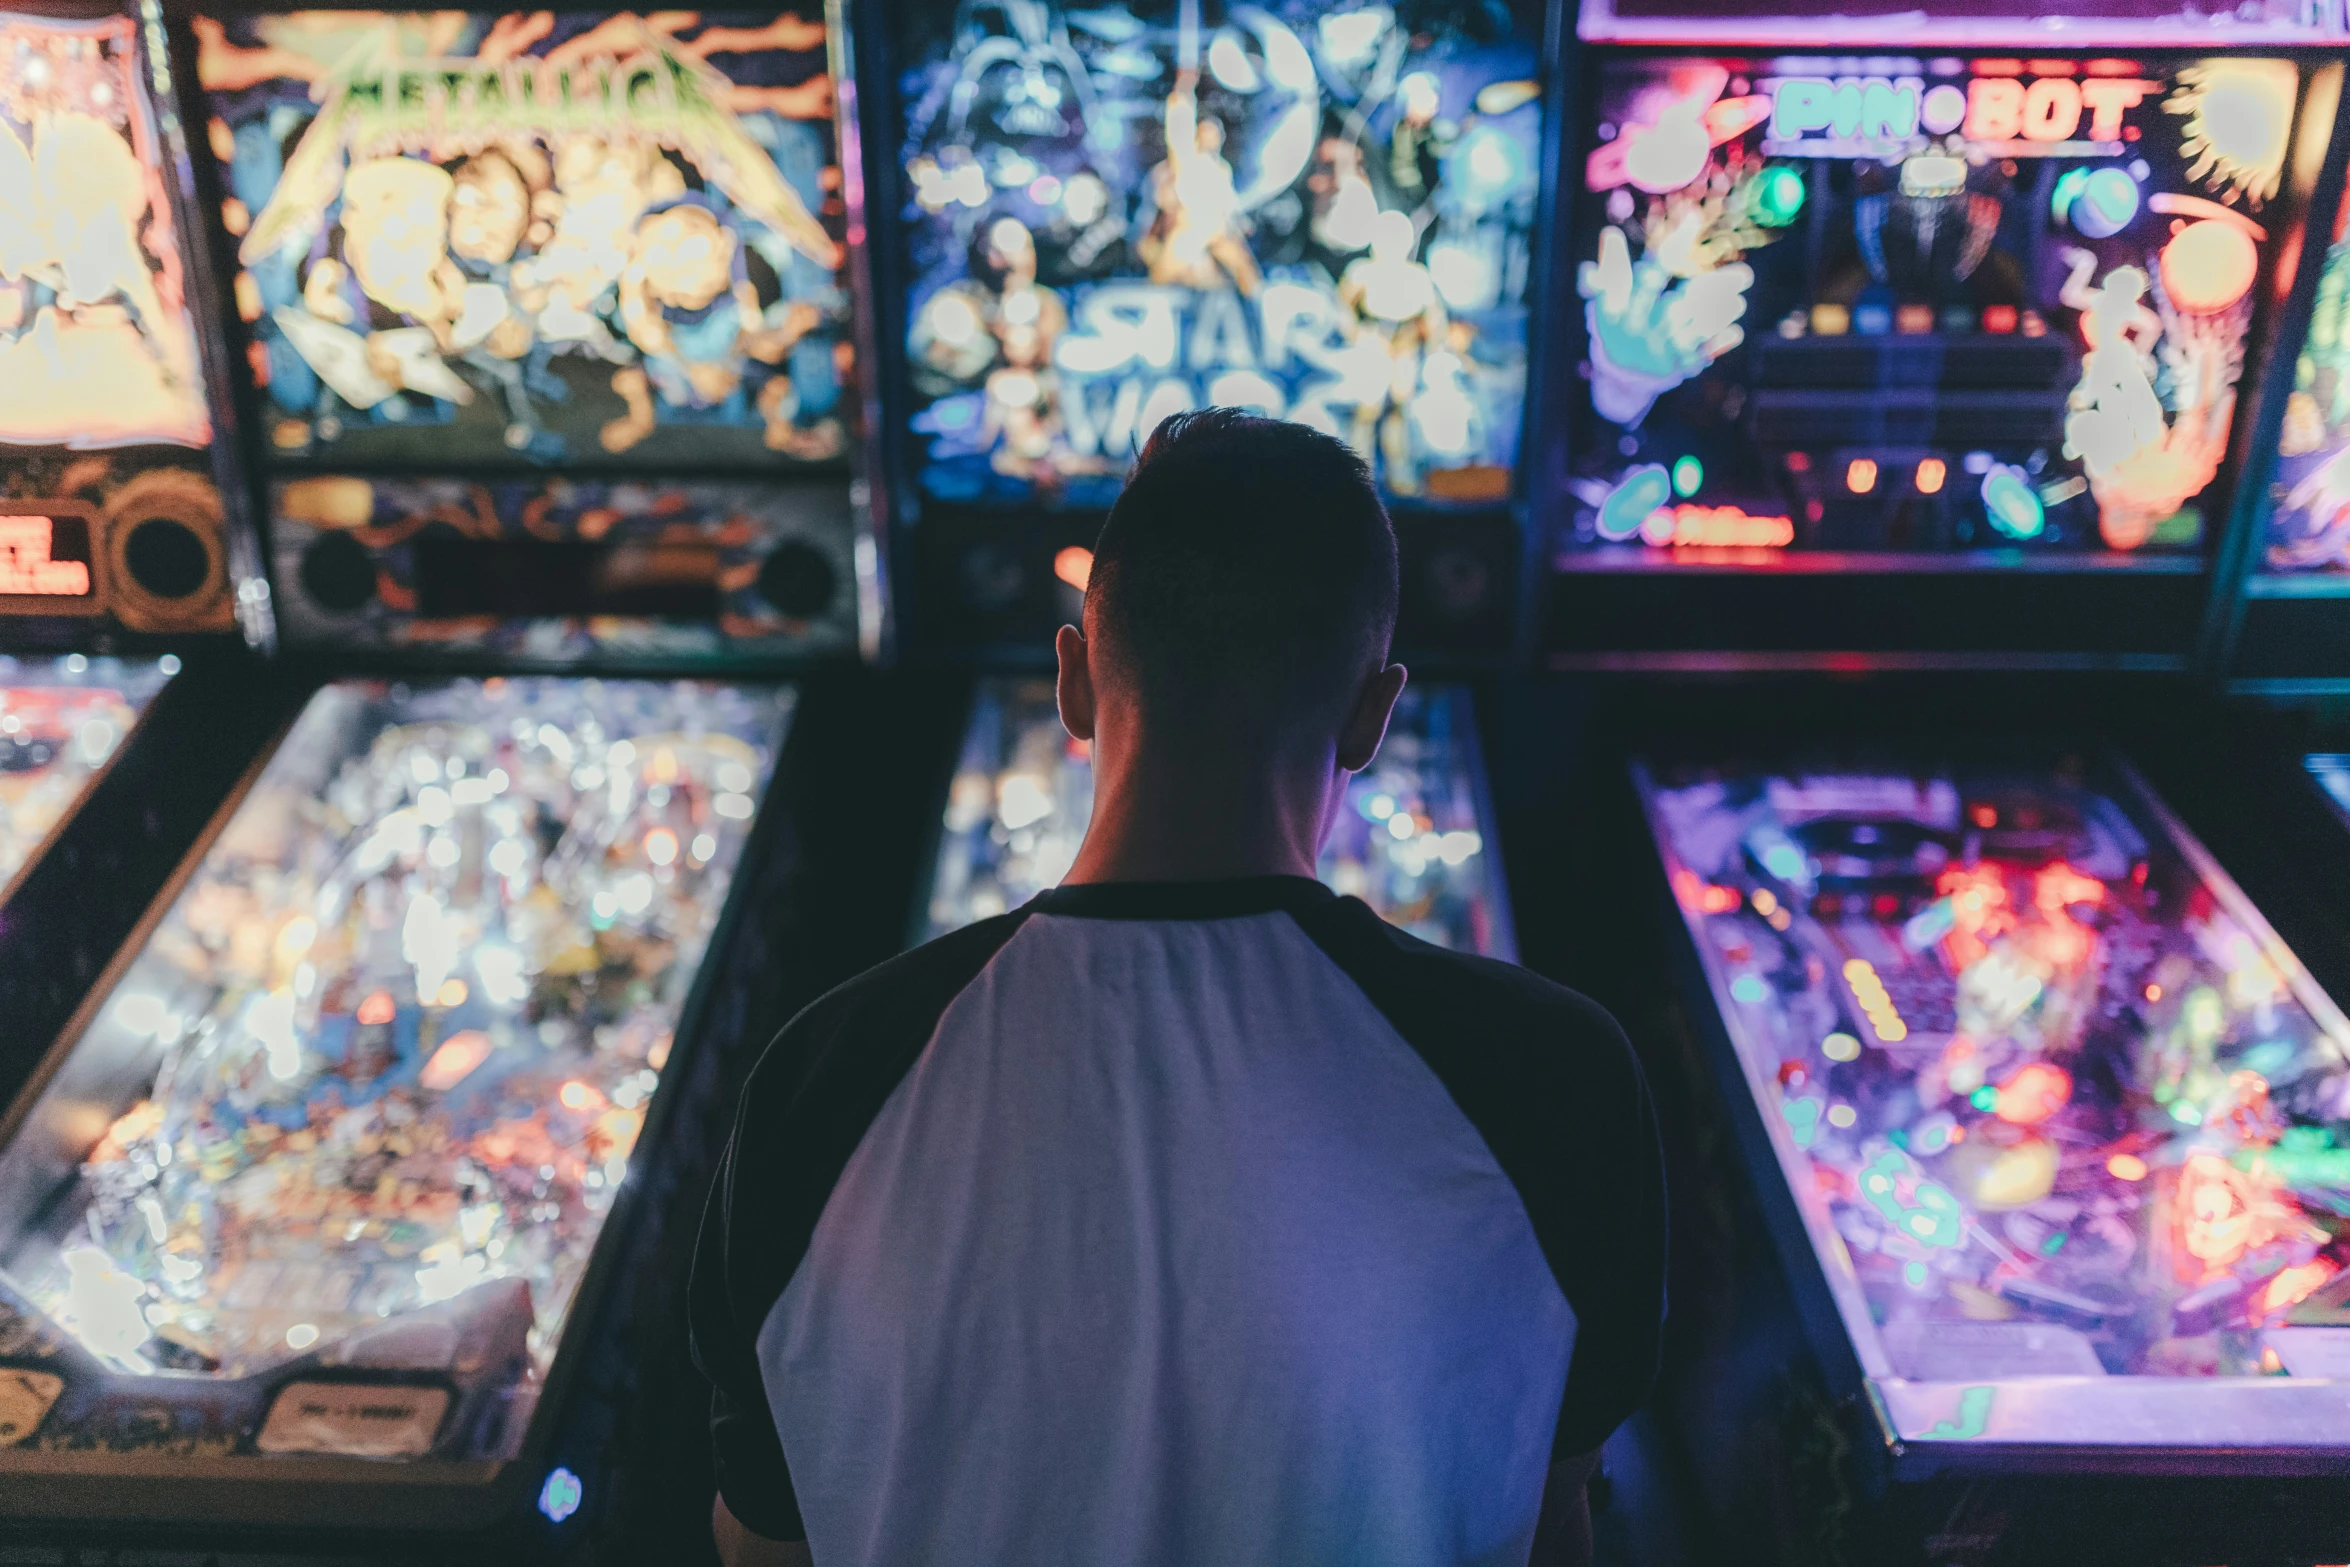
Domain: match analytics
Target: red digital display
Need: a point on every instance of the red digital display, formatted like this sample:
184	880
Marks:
44	556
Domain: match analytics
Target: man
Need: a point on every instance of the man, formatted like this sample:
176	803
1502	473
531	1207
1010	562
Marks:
1189	1214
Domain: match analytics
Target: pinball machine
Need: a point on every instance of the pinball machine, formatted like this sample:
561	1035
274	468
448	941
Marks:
347	1215
1913	429
1100	216
1414	839
122	547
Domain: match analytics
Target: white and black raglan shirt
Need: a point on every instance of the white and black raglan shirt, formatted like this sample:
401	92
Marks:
1196	1223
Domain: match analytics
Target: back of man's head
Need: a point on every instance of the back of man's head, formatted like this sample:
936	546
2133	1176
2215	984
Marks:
1246	575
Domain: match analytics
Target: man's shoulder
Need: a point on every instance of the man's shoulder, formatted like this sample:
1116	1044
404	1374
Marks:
1458	1002
887	1009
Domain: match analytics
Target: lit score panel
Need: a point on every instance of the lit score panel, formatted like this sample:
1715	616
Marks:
2053	1099
1411	842
45	557
342	1138
1919	305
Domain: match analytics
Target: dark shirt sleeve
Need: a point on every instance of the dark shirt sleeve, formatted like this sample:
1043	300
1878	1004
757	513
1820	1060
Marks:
1550	1082
753	1477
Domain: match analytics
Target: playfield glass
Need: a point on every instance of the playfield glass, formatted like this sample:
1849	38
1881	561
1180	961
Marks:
1412	840
325	1168
538	238
1918	304
1314	209
2063	1118
61	721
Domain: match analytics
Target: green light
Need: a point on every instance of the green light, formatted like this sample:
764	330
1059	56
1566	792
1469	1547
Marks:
1688	474
1984	1098
2014	508
2060	200
2054	1244
1778	196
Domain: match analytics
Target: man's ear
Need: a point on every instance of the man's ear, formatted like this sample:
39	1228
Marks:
1366	726
1075	687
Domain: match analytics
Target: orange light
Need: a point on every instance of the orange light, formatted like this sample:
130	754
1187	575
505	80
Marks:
1701	897
2295	1285
452	994
25	566
377	1008
2037	1091
2154	992
1931	473
577	1095
1861	476
459	1054
1986	816
1689	524
2126	1167
2060	885
1074	566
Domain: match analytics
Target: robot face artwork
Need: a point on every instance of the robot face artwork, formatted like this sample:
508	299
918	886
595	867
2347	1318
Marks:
1318	211
1895	304
543	238
97	348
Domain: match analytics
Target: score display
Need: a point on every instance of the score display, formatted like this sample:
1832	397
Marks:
45	557
1919	304
1316	211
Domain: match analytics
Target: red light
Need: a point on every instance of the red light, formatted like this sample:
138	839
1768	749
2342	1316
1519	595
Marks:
1799	462
1074	566
1860	476
1999	318
25	566
1998	67
1931	472
377	1008
2054	68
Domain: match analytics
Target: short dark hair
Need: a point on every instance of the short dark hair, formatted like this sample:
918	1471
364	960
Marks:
1248	564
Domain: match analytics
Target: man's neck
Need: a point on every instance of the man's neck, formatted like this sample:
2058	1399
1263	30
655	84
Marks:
1183	818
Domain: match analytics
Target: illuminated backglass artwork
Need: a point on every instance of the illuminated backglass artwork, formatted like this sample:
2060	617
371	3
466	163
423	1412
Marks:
324	1171
1411	841
2309	516
540	238
1918	304
97	347
2061	1112
1316	211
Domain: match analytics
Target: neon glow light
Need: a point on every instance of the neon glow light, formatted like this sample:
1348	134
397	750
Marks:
25	566
1688	525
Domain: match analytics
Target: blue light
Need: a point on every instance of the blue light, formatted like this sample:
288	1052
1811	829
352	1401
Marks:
1750	989
1785	861
559	1497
